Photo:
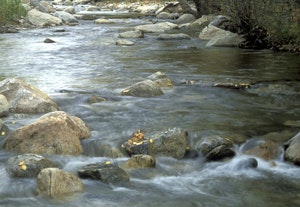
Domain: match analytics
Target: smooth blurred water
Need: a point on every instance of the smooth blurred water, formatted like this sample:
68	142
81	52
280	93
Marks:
85	61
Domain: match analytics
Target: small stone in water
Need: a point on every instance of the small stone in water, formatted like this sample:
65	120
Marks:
48	40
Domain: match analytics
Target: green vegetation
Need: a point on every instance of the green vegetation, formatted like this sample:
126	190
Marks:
10	10
277	21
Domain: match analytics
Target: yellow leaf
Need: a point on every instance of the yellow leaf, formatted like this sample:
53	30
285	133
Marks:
107	162
23	167
151	140
126	91
3	133
21	163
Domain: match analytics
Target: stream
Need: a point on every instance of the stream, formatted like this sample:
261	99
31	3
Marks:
85	61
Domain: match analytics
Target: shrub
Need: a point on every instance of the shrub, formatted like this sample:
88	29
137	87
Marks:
10	10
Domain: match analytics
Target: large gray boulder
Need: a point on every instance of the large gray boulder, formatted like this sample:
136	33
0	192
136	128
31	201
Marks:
53	133
56	183
157	28
27	165
146	88
25	98
66	17
4	106
292	150
172	142
186	18
215	148
105	172
220	38
42	19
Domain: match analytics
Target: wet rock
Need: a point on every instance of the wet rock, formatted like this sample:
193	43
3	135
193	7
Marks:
95	99
48	40
124	42
186	18
103	21
39	6
292	150
157	28
210	32
25	98
200	24
266	150
146	88
132	34
56	183
53	133
179	36
27	165
105	172
70	10
167	15
161	79
4	107
141	161
41	19
246	164
3	129
66	17
172	142
232	85
215	148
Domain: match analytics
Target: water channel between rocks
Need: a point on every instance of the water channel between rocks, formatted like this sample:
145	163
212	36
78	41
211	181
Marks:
85	61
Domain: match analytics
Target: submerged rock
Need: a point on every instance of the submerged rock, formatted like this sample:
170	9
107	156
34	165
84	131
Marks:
53	133
246	164
132	34
124	42
104	21
105	172
179	36
292	150
27	165
56	183
146	88
25	98
141	161
161	79
266	150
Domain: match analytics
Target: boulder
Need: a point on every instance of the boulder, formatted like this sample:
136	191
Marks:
200	24
147	9
185	18
220	38
247	163
56	183
27	165
41	19
179	36
266	150
172	142
225	23
146	88
39	6
167	15
124	42
140	161
292	150
66	17
161	79
4	106
105	172
103	21
53	133
70	9
132	34
157	28
215	148
25	98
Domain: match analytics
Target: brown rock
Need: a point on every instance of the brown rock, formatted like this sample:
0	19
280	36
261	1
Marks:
266	150
53	133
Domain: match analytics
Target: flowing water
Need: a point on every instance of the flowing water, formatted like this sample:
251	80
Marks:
85	61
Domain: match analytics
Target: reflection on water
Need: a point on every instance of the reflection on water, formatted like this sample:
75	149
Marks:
85	61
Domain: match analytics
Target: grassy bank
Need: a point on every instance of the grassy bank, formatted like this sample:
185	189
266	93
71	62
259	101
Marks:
10	11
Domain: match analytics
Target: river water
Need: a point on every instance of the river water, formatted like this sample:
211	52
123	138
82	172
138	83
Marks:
85	61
